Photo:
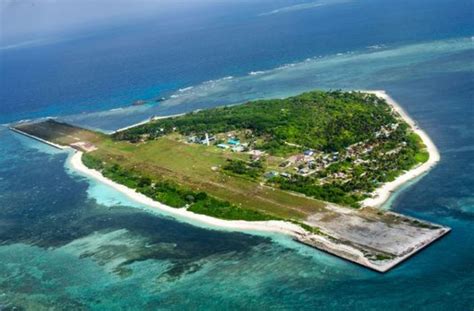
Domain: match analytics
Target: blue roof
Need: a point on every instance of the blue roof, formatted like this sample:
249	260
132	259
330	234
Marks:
233	141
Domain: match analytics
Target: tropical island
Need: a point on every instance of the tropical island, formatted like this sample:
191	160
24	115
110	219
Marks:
315	166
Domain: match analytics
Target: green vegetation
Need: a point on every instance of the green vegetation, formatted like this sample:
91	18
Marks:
354	141
172	194
328	192
200	168
327	121
309	228
422	156
388	158
253	169
166	192
225	210
380	257
264	160
359	142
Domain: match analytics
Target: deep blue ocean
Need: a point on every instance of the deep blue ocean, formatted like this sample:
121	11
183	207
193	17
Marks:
69	243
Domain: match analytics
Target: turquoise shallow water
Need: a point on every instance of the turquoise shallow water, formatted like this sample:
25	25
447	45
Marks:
69	243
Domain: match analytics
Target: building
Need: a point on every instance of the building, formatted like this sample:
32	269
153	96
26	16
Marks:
193	139
223	146
239	148
233	141
303	171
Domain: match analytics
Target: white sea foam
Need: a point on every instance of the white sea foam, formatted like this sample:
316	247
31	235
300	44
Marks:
23	44
285	66
302	6
321	71
218	80
376	46
185	89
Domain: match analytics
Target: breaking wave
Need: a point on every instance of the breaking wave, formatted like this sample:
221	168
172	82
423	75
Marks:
303	6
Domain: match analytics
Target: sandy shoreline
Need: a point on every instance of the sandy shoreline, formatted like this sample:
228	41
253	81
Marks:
265	226
332	243
321	242
146	121
382	194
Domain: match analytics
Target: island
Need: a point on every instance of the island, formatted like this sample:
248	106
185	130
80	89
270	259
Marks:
316	166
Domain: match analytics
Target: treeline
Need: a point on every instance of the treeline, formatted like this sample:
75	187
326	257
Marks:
334	193
252	169
324	121
327	121
379	166
172	194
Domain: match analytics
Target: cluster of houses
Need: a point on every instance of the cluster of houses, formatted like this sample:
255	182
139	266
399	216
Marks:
233	144
304	164
310	161
205	140
386	131
307	163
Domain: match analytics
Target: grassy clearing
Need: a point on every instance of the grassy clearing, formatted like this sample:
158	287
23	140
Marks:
190	166
422	156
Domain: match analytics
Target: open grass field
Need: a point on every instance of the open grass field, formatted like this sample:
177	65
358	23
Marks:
191	165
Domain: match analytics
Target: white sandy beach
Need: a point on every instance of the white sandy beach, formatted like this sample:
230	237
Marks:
275	226
182	213
315	240
146	121
382	194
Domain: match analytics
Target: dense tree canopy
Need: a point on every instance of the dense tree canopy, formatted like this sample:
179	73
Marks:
327	121
362	142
